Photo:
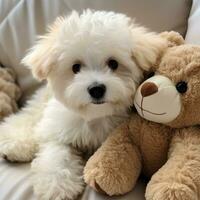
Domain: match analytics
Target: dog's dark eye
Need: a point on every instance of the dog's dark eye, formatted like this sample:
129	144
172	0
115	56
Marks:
76	68
112	64
150	74
181	87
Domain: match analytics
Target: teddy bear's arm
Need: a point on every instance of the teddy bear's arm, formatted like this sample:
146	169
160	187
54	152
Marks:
179	178
152	139
115	167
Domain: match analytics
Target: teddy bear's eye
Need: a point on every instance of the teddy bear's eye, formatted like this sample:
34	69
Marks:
112	64
76	68
181	87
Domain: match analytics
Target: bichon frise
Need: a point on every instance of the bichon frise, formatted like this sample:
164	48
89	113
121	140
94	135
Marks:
93	63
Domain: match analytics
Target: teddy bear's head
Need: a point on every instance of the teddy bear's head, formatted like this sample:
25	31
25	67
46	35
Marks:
172	95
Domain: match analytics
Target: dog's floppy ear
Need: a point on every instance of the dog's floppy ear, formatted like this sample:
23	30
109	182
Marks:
147	47
41	57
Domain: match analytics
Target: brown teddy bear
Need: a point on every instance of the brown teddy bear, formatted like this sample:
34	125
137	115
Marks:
9	92
168	147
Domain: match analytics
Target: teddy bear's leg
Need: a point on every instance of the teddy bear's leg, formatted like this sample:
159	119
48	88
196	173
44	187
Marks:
57	172
115	167
179	178
17	139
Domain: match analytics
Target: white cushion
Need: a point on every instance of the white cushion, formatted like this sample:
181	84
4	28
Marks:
193	33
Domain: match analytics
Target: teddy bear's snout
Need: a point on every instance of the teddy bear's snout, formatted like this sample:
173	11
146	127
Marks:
148	89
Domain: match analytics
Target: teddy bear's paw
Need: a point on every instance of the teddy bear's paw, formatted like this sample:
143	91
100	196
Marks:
96	186
109	180
170	191
106	185
21	150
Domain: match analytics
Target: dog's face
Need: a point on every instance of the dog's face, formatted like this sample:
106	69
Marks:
94	61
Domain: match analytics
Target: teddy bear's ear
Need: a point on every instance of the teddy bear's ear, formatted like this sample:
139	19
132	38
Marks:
147	47
173	38
41	57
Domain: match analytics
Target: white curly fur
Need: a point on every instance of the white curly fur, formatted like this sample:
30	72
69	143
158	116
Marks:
62	119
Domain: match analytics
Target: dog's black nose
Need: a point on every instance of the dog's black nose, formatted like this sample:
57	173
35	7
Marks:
97	90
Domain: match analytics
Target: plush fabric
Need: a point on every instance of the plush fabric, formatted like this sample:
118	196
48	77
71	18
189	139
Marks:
9	92
193	33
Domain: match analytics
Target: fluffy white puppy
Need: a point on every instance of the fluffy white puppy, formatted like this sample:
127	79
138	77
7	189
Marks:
93	63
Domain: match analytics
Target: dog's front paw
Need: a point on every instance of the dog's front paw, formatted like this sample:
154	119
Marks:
17	150
170	191
56	186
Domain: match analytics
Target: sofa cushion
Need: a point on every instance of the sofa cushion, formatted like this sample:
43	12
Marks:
22	20
193	33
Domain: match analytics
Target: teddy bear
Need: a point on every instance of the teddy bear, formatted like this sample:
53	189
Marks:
162	141
9	92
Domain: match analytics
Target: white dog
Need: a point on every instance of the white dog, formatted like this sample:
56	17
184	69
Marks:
93	63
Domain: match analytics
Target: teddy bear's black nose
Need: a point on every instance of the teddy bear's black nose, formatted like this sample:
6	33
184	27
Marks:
148	89
97	90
